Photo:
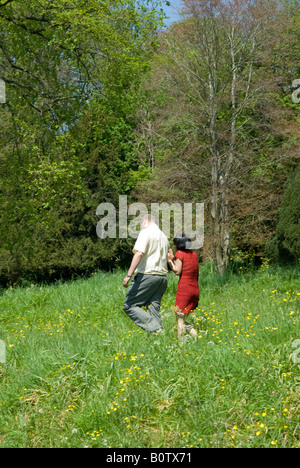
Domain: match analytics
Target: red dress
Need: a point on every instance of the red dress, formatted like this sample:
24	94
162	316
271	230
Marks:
187	297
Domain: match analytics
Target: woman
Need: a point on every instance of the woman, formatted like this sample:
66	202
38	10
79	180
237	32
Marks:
185	264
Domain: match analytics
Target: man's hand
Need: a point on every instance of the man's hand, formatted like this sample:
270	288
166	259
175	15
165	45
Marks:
134	264
126	281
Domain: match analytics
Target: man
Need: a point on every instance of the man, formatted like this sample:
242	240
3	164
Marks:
150	283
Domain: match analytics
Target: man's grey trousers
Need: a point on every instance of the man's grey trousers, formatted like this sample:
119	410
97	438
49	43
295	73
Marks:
146	291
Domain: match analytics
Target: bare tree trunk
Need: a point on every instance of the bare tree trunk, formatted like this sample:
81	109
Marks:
216	176
219	188
225	179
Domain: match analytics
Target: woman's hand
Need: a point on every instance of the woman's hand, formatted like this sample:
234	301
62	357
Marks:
170	255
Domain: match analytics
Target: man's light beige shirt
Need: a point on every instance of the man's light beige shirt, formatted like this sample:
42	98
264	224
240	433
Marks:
154	245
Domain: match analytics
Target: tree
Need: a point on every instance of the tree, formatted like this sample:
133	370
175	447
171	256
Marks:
218	61
59	60
285	245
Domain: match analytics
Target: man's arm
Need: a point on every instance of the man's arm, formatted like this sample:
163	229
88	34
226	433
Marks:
134	264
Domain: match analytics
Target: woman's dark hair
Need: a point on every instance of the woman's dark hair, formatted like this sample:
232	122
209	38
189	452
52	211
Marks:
182	242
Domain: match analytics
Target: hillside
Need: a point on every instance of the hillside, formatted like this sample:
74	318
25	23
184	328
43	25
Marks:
80	374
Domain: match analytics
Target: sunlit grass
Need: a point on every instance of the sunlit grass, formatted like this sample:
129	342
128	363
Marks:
79	373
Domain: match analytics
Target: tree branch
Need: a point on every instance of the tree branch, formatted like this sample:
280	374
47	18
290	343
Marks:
6	3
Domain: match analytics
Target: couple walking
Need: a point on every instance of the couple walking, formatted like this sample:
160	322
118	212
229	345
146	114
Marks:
151	255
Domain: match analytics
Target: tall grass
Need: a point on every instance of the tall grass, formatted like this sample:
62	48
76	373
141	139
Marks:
79	373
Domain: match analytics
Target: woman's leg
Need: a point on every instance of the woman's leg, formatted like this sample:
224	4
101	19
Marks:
183	325
193	332
180	327
190	329
180	321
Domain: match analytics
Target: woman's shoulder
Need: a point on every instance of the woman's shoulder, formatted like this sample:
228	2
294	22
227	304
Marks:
179	254
186	253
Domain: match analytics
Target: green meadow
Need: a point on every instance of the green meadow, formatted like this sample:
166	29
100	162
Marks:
79	373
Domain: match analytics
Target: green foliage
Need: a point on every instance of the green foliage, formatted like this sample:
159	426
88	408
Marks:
56	235
92	113
286	243
72	71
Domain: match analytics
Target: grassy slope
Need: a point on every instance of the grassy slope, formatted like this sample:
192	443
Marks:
79	373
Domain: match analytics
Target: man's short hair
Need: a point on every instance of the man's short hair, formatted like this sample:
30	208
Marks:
149	218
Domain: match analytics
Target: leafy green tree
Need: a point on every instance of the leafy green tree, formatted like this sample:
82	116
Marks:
71	68
285	245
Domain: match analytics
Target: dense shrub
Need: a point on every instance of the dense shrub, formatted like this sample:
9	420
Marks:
285	245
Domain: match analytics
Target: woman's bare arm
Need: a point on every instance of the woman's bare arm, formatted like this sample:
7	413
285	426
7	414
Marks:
176	266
